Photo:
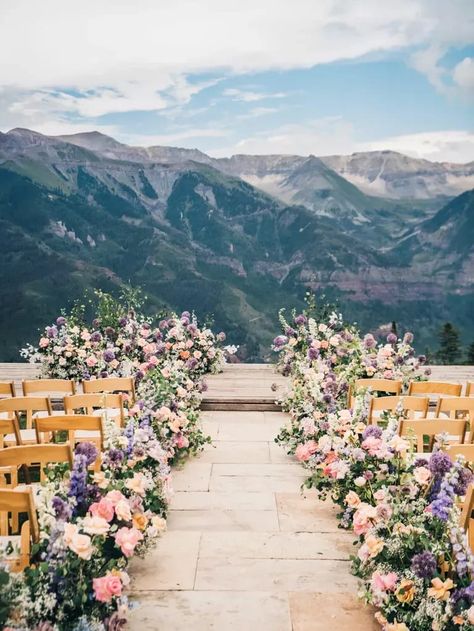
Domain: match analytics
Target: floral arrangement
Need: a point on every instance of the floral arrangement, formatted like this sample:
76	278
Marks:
94	519
414	562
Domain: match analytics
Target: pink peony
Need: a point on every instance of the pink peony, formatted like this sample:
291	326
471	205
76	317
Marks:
106	587
115	497
127	540
104	509
91	361
182	442
362	518
304	451
384	582
372	445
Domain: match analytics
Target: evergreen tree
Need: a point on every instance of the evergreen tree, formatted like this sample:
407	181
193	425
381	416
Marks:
393	328
470	354
449	348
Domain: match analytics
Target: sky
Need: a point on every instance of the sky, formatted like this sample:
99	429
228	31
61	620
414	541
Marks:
245	76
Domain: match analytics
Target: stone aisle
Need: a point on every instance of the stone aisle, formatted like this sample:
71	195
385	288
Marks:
244	549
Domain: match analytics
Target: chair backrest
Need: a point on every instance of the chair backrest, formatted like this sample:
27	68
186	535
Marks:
12	504
49	426
111	384
470	389
409	405
421	428
456	407
7	427
435	387
88	403
54	388
16	406
7	389
466	450
467	516
375	385
25	455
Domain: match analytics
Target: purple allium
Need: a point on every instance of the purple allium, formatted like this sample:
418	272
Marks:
421	462
289	332
372	431
186	314
89	450
115	456
61	508
300	319
369	341
123	322
424	565
313	353
163	324
61	321
191	328
184	321
191	363
139	375
440	463
221	337
327	398
392	338
96	337
51	331
108	355
465	477
280	341
96	323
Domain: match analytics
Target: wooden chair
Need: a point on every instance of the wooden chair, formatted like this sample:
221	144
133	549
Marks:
78	427
467	516
53	388
376	385
28	406
409	406
7	389
458	407
417	429
466	450
427	388
26	455
112	385
13	503
470	389
100	404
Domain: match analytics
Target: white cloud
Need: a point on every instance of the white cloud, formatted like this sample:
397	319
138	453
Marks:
249	96
256	112
437	146
463	75
129	55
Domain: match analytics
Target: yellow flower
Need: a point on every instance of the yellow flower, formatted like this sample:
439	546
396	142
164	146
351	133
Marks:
406	591
440	589
140	521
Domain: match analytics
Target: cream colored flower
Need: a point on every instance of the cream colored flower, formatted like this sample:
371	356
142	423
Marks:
82	546
440	589
122	510
95	525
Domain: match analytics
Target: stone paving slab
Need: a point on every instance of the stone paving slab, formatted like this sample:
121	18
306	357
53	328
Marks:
317	612
223	519
209	500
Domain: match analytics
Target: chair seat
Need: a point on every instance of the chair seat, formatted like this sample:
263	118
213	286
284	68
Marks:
84	434
113	412
28	436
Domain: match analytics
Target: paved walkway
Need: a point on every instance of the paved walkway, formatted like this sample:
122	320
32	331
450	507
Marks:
244	550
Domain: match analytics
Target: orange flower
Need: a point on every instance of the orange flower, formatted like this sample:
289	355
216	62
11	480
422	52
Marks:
184	354
440	589
406	591
140	521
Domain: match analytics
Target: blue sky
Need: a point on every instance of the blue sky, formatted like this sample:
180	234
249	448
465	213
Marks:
228	77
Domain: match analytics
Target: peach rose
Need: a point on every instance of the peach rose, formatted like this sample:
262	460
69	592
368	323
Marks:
122	510
95	525
140	521
115	497
352	499
137	484
104	509
81	545
127	539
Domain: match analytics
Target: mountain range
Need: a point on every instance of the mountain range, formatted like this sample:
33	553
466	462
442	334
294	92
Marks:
387	236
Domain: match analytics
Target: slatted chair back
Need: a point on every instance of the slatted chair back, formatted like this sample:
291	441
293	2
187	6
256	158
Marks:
417	430
9	427
410	406
438	388
26	455
466	450
28	406
102	404
470	389
467	516
111	385
74	425
456	407
13	503
7	389
391	386
53	388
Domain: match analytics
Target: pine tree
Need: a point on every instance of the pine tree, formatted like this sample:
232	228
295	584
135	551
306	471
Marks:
470	354
393	328
449	348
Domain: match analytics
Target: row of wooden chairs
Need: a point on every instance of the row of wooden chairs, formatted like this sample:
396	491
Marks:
415	388
64	387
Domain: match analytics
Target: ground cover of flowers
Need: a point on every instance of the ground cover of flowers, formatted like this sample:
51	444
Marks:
413	561
92	523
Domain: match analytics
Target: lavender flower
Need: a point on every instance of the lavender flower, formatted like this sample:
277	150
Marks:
300	320
440	463
424	565
289	332
61	508
465	478
313	353
96	337
78	481
108	355
61	321
392	338
51	331
280	341
89	450
115	456
372	431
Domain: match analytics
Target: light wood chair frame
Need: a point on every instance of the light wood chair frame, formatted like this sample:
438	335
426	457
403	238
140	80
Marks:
54	388
111	385
419	428
16	502
90	401
391	403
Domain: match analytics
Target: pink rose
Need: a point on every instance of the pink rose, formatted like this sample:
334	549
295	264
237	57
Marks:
182	442
372	445
384	582
127	540
91	361
422	475
304	451
114	497
44	342
362	518
106	587
104	509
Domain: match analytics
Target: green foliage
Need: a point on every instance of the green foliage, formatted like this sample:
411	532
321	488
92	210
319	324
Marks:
449	346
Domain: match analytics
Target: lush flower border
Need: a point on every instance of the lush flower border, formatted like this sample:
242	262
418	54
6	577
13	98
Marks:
93	522
413	560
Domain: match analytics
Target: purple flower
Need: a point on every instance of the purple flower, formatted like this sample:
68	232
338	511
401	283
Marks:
465	477
372	431
280	341
313	353
191	363
61	508
221	337
369	341
61	321
115	456
300	319
408	337
421	462
184	321
191	328
440	463
108	355
96	337
103	374
289	332
96	323
78	481
163	324
392	338
123	322
424	565
51	331
88	450
186	314
109	331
